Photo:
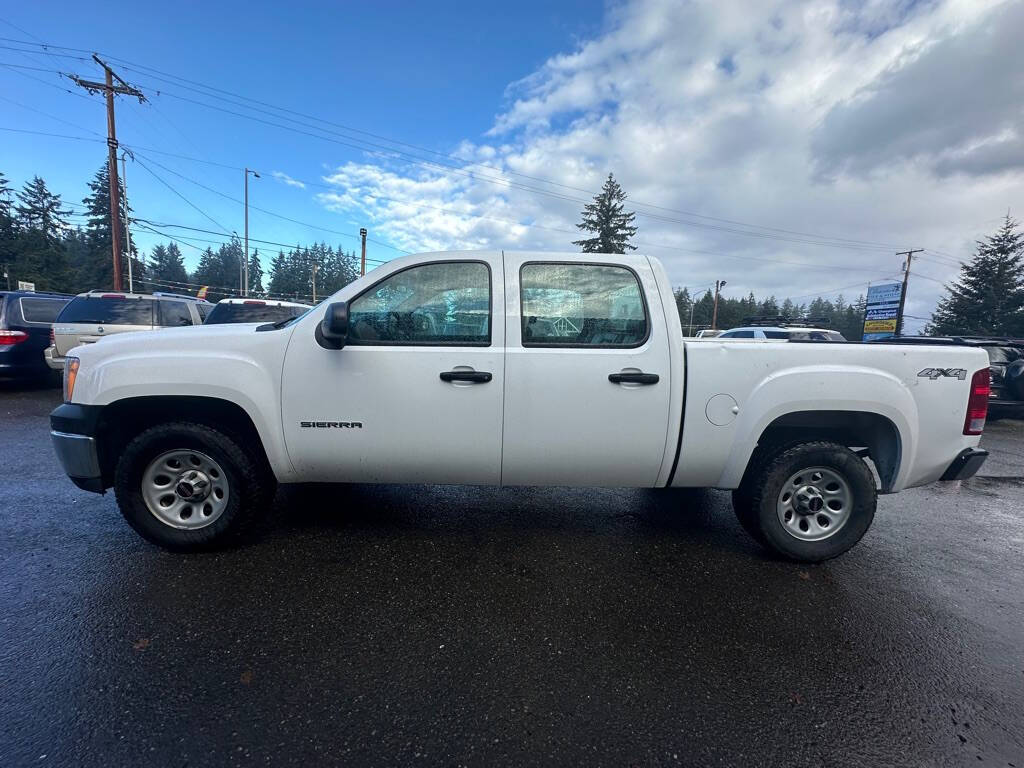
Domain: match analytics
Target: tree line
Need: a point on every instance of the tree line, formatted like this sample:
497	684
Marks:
40	245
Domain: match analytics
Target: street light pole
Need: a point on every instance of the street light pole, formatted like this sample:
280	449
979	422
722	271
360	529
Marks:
127	227
719	285
245	286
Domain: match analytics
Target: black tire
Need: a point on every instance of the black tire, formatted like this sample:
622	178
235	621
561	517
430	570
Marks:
756	501
249	482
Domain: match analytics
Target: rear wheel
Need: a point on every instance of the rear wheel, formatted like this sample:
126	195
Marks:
808	502
187	486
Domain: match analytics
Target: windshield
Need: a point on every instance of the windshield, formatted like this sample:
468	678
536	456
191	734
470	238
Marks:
252	313
113	310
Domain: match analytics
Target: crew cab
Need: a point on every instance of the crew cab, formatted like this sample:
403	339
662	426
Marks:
502	368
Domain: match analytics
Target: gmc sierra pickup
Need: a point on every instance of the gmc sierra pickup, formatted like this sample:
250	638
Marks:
500	368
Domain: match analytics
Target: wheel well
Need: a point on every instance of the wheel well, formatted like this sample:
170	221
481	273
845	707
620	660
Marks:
122	420
854	429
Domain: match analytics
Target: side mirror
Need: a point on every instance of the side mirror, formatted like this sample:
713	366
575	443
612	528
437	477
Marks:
333	329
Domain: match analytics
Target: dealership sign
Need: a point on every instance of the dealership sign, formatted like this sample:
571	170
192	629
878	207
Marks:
882	308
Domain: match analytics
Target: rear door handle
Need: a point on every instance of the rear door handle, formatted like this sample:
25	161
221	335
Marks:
477	377
633	378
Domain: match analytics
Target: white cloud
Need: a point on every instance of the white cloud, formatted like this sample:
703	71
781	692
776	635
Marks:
284	178
880	122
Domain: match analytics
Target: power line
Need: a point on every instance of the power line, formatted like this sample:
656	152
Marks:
289	246
176	192
773	233
263	210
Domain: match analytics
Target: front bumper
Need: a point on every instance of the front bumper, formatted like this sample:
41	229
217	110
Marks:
73	431
966	464
53	359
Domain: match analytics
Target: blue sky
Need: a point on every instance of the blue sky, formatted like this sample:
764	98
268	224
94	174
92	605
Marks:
790	147
428	74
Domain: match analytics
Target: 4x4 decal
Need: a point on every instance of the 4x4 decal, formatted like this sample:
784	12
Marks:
935	373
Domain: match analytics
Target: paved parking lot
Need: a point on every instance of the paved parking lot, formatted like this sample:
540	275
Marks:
404	625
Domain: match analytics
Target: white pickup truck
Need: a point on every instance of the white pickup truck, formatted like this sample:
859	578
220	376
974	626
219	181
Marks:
500	368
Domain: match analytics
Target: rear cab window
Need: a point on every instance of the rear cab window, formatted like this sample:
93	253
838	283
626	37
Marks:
581	305
112	310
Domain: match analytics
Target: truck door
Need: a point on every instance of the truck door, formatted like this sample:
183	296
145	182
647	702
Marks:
587	386
416	393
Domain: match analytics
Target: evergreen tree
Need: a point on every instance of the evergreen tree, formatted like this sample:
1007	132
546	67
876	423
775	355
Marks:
255	274
166	265
96	270
278	275
988	298
37	250
7	232
612	226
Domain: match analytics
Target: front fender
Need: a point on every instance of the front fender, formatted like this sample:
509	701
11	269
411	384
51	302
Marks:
235	376
823	388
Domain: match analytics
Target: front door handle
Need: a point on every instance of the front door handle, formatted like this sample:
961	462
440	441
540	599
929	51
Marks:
633	378
477	377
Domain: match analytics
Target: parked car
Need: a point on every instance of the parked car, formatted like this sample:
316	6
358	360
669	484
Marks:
95	315
254	311
422	372
26	318
783	329
1006	368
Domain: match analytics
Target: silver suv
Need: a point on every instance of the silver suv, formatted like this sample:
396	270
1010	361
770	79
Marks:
92	316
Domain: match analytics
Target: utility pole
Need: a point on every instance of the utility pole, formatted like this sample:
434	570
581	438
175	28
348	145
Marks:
362	264
127	223
903	294
314	282
108	88
719	285
245	287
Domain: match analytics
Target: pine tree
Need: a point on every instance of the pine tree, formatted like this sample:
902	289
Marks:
166	265
96	270
988	298
605	217
38	249
255	274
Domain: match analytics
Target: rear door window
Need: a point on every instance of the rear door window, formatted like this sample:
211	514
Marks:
174	313
738	335
581	305
41	310
112	310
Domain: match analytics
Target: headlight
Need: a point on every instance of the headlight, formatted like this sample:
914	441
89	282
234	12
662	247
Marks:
70	374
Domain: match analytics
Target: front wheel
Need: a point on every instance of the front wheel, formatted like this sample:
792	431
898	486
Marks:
810	502
187	486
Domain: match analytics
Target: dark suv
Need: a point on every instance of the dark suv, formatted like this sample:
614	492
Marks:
26	318
1005	365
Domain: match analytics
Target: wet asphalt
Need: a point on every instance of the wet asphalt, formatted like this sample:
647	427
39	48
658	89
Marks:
455	626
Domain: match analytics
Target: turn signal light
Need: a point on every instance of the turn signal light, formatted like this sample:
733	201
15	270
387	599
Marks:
70	374
977	403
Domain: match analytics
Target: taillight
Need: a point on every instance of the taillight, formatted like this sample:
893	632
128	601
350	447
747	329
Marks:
977	403
53	339
8	338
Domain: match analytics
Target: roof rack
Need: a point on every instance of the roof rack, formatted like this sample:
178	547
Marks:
39	293
784	321
167	295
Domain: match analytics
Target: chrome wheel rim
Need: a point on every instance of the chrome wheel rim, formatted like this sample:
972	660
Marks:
815	503
185	489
